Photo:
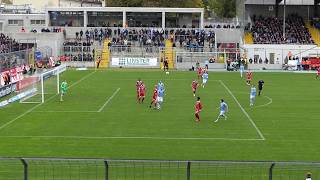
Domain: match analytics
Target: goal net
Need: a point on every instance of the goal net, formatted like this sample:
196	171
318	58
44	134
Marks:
41	86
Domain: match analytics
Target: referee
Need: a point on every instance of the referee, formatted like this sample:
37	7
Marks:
260	86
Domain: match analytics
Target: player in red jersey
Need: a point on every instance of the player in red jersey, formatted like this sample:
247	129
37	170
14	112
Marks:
249	77
194	87
200	72
142	92
138	84
154	97
198	108
318	73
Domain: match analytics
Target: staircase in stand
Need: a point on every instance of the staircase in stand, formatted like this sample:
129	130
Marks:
315	33
248	38
169	53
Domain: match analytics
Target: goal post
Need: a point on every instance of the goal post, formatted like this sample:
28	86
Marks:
42	86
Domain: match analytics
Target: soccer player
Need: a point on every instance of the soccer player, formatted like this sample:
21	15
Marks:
63	88
260	86
253	93
160	85
200	72
198	108
318	73
142	92
308	176
223	110
241	69
154	97
205	78
138	84
194	87
160	97
249	77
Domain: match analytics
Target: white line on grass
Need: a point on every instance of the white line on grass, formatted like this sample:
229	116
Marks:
34	107
131	137
108	100
267	104
244	111
67	111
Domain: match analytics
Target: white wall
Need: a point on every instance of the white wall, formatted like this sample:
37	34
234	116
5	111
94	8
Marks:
280	51
52	40
26	21
37	5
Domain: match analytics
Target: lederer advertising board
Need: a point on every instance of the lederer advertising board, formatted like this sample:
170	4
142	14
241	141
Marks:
134	62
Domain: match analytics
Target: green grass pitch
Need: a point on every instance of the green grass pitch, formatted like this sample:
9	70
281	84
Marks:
100	118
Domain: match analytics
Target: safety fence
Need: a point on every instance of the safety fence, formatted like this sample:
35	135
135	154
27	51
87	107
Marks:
24	57
102	169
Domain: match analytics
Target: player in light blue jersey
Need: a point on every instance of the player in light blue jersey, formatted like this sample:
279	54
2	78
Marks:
205	78
223	110
160	85
253	93
161	92
241	69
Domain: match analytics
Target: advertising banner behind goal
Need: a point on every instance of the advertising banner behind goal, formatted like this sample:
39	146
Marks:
134	62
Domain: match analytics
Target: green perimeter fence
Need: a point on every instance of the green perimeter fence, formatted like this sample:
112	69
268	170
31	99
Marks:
102	169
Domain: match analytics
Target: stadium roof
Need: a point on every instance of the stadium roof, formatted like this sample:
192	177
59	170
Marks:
128	9
288	2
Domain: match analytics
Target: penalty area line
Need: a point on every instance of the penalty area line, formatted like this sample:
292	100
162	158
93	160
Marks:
108	100
36	106
132	137
244	111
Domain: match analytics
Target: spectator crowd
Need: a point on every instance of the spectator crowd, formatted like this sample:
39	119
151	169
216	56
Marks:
148	37
269	30
7	44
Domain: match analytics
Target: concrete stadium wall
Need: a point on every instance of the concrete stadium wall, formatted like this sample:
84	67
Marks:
228	35
269	10
52	40
280	52
188	65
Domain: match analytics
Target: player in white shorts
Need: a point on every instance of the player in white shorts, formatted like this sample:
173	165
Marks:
160	97
241	69
205	78
223	110
253	93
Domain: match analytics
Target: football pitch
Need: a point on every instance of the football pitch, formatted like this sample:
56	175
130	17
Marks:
100	118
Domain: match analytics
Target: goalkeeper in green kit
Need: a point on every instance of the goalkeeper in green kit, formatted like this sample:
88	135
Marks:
63	88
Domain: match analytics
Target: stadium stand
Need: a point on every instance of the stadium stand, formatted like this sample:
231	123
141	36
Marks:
123	40
7	44
268	30
188	38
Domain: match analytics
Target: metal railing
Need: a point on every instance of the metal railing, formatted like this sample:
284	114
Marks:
103	169
24	57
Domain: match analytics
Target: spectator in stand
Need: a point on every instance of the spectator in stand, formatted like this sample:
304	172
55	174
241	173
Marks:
23	30
8	44
268	30
81	34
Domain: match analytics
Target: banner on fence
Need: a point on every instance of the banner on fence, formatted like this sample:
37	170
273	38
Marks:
134	62
12	75
8	89
18	97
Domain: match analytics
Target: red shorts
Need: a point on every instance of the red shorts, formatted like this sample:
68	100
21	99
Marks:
141	94
194	89
249	79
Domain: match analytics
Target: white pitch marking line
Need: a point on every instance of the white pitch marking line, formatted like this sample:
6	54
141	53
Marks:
267	104
34	107
67	111
107	102
131	137
244	111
